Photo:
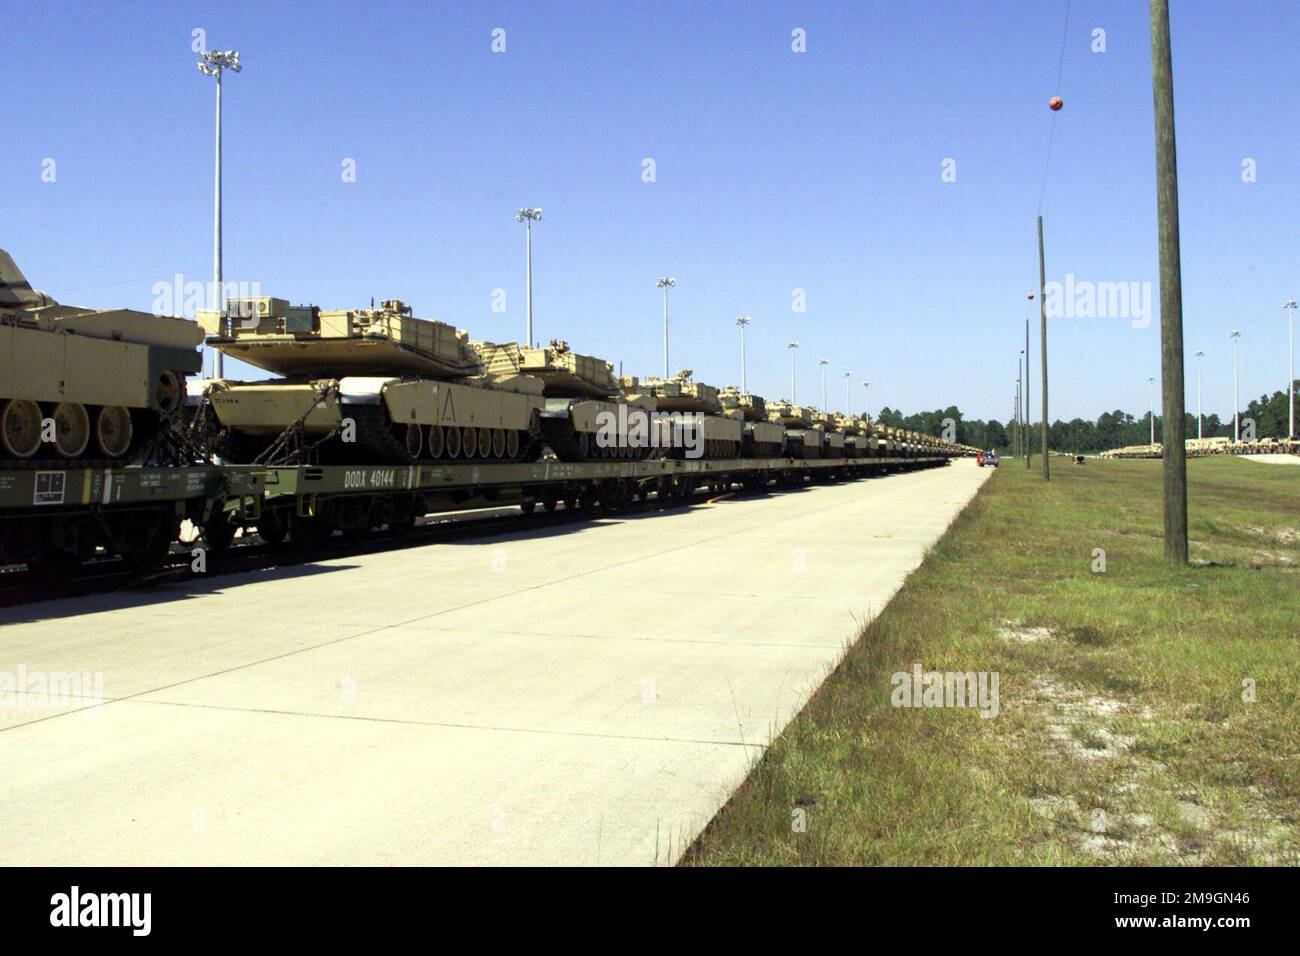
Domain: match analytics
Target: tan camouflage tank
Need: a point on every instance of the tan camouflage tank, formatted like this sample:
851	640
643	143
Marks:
372	384
80	383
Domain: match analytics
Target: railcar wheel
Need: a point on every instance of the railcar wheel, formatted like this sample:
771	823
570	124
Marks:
271	528
113	430
401	520
218	533
54	564
153	553
20	427
71	429
309	533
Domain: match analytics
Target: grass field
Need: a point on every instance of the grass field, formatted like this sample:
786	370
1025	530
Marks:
1147	715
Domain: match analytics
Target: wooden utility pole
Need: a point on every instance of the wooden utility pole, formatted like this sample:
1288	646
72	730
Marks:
1042	314
1174	463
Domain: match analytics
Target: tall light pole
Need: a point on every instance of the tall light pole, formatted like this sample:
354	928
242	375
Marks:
792	345
1289	305
848	393
528	217
823	363
1200	369
866	406
742	321
1152	383
214	63
1236	428
665	283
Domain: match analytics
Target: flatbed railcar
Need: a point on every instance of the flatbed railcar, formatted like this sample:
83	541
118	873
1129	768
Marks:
306	504
56	519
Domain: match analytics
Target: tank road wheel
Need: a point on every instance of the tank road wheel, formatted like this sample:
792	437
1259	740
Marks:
498	442
436	445
583	442
453	441
169	393
485	442
413	438
20	427
113	430
512	444
469	442
71	429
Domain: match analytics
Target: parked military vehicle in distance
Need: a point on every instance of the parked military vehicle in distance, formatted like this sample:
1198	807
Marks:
692	405
369	385
580	394
855	442
761	438
832	440
108	380
801	439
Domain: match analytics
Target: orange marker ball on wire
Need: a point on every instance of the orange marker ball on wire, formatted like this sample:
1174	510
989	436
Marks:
1055	103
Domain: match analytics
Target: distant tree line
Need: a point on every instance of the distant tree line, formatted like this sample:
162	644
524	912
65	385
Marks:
1111	429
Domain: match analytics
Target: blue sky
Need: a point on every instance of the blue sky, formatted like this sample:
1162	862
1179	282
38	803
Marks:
774	171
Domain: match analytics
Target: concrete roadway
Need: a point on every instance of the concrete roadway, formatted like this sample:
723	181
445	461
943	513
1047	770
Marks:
590	694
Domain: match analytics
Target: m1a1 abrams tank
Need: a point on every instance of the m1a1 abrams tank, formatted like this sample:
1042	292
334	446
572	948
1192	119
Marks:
832	438
694	406
855	439
801	439
367	385
581	419
91	383
761	438
881	441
